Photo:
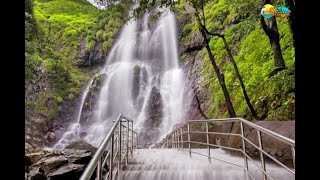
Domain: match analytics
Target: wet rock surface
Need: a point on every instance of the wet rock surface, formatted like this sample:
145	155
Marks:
151	130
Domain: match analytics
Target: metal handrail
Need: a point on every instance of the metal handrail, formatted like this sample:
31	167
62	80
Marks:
115	154
175	140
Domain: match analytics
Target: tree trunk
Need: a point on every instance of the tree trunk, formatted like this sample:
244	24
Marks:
292	19
199	108
220	77
273	35
277	54
246	97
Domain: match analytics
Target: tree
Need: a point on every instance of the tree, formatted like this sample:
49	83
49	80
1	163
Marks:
199	107
198	5
245	94
274	39
292	19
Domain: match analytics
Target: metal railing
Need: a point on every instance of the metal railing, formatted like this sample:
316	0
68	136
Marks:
113	151
175	140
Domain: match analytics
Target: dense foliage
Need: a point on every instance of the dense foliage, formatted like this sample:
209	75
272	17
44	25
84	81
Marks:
55	30
273	98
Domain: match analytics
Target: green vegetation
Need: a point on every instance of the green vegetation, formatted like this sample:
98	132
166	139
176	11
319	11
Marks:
273	98
54	32
31	58
56	29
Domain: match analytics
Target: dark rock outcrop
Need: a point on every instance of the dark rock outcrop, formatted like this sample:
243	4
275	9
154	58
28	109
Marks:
68	164
73	171
82	145
90	104
155	106
191	64
136	82
38	126
90	58
150	133
192	67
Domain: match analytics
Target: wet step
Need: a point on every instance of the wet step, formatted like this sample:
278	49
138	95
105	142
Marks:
173	164
183	174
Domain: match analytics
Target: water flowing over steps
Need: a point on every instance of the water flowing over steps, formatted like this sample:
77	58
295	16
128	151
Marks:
173	164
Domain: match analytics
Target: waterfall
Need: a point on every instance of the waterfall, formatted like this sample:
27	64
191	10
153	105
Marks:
143	81
73	132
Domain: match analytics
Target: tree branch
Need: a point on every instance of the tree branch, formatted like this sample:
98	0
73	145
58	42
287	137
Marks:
195	47
203	15
199	108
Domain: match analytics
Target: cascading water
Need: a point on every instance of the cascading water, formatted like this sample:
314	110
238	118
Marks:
73	133
171	164
143	81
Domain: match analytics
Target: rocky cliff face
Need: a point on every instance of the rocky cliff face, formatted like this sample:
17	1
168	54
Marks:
191	64
90	102
38	126
42	130
92	58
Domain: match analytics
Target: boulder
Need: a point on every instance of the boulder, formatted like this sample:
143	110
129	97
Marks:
48	163
67	164
77	156
37	174
82	145
67	172
51	136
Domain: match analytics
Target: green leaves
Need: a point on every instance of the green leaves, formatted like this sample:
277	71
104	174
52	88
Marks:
53	36
238	20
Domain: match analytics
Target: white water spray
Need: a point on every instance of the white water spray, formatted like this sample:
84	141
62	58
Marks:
142	77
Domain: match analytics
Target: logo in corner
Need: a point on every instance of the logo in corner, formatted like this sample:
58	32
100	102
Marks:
269	11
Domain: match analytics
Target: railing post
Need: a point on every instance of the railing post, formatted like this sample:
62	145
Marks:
137	140
244	149
99	170
172	141
167	142
127	144
188	124
208	142
119	147
293	152
111	158
181	138
131	137
177	136
263	164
